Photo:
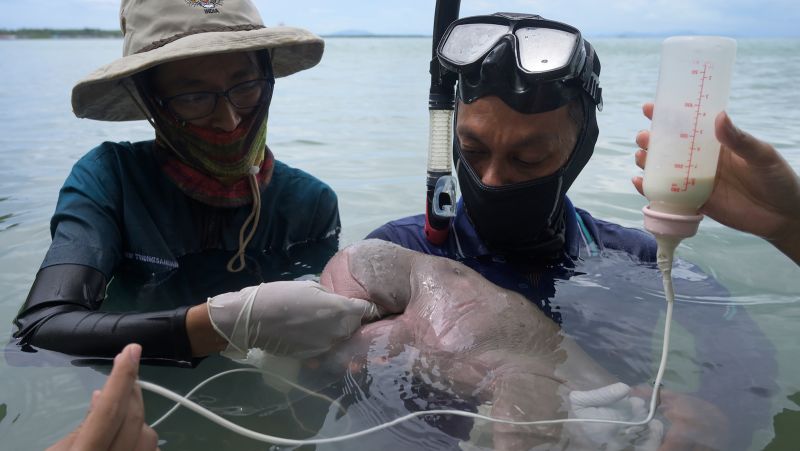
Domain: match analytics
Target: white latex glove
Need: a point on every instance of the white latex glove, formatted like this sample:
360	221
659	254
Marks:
297	318
613	402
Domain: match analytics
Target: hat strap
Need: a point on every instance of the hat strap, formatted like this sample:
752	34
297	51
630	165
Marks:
237	262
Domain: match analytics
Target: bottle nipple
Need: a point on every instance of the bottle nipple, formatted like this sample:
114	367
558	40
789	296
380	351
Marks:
670	224
669	230
664	257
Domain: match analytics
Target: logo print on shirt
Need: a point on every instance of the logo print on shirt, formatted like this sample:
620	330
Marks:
209	6
151	259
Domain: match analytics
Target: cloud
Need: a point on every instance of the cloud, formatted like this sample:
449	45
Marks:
593	17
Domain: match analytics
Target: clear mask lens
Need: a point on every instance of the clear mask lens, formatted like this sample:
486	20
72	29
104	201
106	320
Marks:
544	49
468	42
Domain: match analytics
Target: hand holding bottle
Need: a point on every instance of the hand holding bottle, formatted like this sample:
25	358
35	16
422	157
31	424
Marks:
756	191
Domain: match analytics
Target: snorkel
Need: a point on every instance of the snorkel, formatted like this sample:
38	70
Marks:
440	207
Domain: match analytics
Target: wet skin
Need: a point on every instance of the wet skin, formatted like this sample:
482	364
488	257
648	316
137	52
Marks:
484	339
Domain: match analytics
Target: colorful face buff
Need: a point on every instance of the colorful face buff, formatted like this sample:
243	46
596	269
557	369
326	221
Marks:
213	167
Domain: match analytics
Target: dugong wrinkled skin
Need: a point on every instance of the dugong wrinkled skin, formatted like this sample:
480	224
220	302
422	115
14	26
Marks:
487	340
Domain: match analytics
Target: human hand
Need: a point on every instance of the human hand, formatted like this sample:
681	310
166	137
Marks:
297	319
613	402
755	191
693	424
116	414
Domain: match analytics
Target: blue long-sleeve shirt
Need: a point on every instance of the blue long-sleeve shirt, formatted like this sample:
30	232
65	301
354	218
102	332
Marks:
607	294
121	221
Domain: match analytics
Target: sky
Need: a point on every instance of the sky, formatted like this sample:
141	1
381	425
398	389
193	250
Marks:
737	18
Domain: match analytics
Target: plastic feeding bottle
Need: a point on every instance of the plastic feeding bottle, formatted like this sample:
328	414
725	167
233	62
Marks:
693	87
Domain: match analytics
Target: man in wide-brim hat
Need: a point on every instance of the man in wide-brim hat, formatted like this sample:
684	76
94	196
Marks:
196	215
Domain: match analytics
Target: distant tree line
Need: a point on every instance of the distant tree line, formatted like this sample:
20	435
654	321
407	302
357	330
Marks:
56	33
83	33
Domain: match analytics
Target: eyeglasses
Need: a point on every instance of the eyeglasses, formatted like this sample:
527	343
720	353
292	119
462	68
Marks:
197	105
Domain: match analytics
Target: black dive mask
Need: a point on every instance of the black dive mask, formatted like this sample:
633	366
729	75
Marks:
533	65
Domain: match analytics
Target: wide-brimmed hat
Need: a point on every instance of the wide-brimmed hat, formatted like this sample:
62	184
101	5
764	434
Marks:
158	31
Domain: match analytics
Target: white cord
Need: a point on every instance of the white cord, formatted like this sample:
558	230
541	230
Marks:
202	411
238	370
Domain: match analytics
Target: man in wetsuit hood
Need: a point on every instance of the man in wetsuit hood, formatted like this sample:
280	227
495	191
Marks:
525	126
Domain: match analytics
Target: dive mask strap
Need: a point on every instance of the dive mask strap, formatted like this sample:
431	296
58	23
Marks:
590	77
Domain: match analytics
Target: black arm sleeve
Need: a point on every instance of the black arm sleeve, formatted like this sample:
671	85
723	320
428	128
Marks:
61	314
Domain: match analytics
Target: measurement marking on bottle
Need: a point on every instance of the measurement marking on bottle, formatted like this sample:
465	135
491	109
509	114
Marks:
697	106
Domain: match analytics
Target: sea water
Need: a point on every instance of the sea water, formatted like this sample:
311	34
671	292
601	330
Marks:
363	128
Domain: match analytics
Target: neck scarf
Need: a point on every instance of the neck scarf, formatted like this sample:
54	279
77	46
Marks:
213	167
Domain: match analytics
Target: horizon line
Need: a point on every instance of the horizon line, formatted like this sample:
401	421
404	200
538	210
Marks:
368	34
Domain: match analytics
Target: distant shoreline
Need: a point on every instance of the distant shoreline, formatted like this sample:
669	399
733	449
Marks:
95	33
55	33
336	35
